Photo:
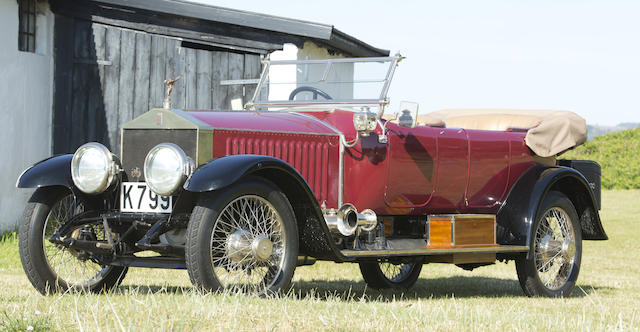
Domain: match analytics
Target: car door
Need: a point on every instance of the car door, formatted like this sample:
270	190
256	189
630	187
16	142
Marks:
453	171
412	166
488	168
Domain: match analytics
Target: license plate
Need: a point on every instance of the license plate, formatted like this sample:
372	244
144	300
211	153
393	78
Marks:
136	197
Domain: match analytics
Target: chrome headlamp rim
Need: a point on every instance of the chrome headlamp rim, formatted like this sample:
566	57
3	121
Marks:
111	168
186	168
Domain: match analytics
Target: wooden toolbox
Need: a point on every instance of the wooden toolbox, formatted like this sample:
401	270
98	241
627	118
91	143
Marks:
461	231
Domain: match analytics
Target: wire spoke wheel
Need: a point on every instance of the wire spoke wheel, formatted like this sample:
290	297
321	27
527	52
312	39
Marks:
551	268
69	265
384	274
395	272
53	267
243	239
248	244
555	248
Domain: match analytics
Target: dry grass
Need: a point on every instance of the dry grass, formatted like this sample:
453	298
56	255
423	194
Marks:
330	296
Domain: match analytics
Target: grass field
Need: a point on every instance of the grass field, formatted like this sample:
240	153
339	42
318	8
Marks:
329	296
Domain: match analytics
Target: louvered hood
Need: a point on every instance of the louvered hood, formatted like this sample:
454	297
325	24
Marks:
309	145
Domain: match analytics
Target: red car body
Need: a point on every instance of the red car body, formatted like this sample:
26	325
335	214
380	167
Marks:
421	170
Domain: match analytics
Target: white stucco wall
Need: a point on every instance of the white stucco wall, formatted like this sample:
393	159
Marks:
25	106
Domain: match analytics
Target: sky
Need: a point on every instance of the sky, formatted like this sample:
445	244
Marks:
582	56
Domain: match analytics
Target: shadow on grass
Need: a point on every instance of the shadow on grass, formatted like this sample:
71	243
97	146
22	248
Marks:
153	289
450	287
349	290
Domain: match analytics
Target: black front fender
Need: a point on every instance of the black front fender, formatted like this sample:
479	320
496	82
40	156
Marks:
53	171
520	209
315	238
221	172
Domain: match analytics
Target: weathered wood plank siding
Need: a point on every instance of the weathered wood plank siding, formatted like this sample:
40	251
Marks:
203	79
142	72
106	76
220	72
190	78
111	86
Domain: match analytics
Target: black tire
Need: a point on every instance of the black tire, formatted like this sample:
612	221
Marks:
209	240
32	241
378	275
566	260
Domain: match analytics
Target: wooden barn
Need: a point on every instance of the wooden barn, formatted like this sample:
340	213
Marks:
79	69
112	57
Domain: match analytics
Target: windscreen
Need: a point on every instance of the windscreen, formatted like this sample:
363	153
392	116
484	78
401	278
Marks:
324	81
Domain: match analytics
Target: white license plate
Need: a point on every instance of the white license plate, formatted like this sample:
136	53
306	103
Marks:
136	197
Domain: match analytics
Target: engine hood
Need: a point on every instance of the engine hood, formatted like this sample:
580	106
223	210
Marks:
283	122
193	131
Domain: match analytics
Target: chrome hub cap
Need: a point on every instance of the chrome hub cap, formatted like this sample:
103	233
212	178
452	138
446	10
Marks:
262	248
568	249
241	247
248	245
238	246
555	248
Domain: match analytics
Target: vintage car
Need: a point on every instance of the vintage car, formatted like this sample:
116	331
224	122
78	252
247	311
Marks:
312	170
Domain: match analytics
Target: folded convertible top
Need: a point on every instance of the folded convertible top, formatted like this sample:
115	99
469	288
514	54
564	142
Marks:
549	132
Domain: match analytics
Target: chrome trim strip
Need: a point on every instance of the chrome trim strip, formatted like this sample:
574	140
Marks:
328	102
192	119
427	252
341	172
275	131
263	77
462	216
328	125
390	72
453	230
340	158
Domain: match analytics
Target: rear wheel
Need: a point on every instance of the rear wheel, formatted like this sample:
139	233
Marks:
553	267
243	238
52	267
381	275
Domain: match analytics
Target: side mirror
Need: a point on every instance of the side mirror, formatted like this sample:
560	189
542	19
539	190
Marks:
408	115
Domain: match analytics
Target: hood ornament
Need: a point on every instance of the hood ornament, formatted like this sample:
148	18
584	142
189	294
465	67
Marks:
169	83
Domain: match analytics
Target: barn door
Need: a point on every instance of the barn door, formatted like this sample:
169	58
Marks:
105	76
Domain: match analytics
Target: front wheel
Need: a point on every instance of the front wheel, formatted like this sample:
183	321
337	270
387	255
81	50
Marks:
381	275
52	267
243	238
552	268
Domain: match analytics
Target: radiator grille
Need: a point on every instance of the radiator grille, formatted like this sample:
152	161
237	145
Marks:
136	143
306	155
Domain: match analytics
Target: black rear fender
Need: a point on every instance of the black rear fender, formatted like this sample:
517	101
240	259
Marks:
315	239
521	207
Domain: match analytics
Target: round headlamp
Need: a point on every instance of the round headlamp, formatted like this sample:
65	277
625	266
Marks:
166	167
93	168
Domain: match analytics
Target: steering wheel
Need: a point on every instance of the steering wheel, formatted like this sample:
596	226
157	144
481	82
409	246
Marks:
315	91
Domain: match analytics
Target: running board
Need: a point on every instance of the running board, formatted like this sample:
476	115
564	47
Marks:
428	252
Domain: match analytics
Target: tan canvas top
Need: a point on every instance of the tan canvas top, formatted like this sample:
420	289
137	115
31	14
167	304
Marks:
549	133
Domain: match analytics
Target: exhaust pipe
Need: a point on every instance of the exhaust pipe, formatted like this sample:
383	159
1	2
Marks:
347	220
